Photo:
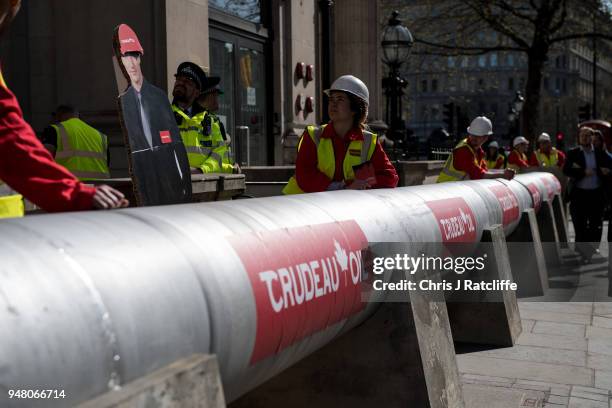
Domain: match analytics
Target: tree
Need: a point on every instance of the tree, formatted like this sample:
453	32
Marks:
532	27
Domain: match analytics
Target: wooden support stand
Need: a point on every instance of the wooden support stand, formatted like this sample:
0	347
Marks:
492	317
403	356
191	382
527	257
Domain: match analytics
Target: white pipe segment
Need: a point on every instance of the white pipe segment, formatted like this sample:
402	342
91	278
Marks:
92	300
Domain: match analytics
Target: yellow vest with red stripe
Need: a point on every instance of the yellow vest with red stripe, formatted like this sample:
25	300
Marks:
492	163
326	161
449	172
546	161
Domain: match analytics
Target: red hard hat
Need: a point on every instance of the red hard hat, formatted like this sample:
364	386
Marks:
128	40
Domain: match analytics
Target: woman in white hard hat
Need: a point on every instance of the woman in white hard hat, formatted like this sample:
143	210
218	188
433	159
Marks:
467	162
494	158
546	155
342	154
517	159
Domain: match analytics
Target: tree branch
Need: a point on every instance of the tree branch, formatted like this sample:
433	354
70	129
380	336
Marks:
496	24
555	27
476	50
576	36
514	11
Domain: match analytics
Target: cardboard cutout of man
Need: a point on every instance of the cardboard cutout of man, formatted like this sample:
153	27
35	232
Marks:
158	159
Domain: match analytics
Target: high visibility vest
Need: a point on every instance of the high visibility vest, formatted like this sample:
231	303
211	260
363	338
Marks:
492	163
82	149
220	159
514	166
326	161
192	134
449	172
547	161
11	205
206	149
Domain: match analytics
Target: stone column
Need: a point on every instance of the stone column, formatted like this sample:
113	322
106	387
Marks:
186	26
294	42
357	47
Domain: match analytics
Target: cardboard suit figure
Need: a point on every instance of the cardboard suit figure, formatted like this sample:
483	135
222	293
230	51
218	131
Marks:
157	156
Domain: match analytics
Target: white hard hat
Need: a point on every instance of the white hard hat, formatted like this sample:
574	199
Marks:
481	126
518	140
352	85
494	144
544	137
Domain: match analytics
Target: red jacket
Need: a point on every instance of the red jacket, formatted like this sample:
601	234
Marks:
311	179
515	159
463	160
533	160
27	167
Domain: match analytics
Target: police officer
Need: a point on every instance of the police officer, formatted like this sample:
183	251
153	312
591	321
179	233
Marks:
467	161
77	146
220	159
190	79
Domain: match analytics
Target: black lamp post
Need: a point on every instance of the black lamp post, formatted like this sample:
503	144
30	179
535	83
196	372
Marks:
396	44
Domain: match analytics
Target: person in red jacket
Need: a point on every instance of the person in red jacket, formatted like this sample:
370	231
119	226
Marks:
546	155
26	165
518	159
342	154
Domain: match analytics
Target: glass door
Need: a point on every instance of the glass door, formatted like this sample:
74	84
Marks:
241	64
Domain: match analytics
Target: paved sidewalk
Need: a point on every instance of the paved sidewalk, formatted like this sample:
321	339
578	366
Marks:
563	358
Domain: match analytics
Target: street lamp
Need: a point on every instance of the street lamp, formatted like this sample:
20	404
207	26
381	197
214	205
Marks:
396	43
514	114
519	101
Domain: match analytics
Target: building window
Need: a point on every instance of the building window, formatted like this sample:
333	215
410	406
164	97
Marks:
558	62
249	10
557	84
493	60
564	85
482	61
480	82
434	85
511	84
465	62
451	62
510	60
424	85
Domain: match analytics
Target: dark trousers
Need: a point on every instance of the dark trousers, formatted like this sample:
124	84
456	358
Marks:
586	208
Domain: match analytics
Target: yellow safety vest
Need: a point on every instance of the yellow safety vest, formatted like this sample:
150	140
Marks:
82	149
449	172
11	205
546	161
492	163
326	161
